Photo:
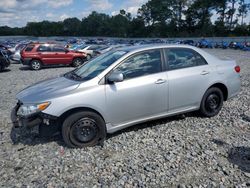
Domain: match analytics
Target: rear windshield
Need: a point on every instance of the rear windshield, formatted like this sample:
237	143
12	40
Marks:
29	48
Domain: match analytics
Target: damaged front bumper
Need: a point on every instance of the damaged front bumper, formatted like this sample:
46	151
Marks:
48	125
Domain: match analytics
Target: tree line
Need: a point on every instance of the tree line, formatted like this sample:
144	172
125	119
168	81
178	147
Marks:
156	18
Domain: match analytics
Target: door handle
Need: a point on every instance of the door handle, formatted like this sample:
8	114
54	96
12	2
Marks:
204	72
160	81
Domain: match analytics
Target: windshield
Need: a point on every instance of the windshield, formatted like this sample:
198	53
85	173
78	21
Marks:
94	67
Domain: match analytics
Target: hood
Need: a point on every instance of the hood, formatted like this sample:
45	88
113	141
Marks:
47	89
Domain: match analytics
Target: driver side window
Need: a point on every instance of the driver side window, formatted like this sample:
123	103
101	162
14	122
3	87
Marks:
142	64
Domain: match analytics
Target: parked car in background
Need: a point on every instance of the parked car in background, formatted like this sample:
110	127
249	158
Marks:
37	55
189	42
204	43
4	49
76	46
4	61
16	52
108	48
127	86
90	49
223	45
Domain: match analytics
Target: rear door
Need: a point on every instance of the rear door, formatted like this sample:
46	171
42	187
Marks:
44	51
188	78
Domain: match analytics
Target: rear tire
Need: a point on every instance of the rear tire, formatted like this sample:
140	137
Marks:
212	102
77	62
83	129
35	65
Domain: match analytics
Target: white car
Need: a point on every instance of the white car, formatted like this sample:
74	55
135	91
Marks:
16	52
89	50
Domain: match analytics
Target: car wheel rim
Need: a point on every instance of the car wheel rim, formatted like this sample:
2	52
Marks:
84	130
212	103
35	65
78	62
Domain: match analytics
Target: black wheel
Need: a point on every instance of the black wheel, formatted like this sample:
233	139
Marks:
36	65
77	62
212	102
83	129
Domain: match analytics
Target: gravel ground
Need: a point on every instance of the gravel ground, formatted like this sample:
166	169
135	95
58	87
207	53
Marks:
171	152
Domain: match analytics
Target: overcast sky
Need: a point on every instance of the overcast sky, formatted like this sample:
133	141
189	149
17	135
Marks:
18	12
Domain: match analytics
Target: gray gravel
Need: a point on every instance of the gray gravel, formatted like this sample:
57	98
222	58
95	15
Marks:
171	152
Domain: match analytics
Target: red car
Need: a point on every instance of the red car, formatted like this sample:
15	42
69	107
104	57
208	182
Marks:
37	55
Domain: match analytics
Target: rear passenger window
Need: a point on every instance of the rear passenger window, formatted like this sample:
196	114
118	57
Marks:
179	58
58	49
44	48
29	48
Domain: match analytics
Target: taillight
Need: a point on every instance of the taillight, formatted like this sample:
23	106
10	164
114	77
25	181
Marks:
237	69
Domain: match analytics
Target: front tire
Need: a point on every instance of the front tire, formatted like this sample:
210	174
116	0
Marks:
212	102
36	65
83	129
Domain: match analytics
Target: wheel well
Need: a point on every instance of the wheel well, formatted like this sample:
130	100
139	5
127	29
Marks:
223	88
76	58
74	110
36	59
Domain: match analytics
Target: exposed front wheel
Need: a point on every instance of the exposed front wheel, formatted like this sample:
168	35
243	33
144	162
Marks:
35	65
212	102
77	62
83	129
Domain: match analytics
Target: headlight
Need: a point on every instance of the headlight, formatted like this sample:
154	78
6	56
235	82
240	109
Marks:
29	109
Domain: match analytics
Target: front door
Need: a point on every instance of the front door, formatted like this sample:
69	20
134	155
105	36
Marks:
144	91
61	56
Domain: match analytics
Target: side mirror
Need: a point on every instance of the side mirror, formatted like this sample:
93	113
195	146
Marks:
66	50
115	77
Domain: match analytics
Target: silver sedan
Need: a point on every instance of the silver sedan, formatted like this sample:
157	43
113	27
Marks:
127	86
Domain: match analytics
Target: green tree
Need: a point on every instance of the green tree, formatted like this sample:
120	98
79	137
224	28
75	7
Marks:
96	24
198	17
230	14
71	27
243	10
221	7
119	24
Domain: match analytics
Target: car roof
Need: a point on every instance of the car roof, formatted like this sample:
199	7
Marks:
139	48
149	47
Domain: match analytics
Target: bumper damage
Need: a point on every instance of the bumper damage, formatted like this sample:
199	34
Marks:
48	125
